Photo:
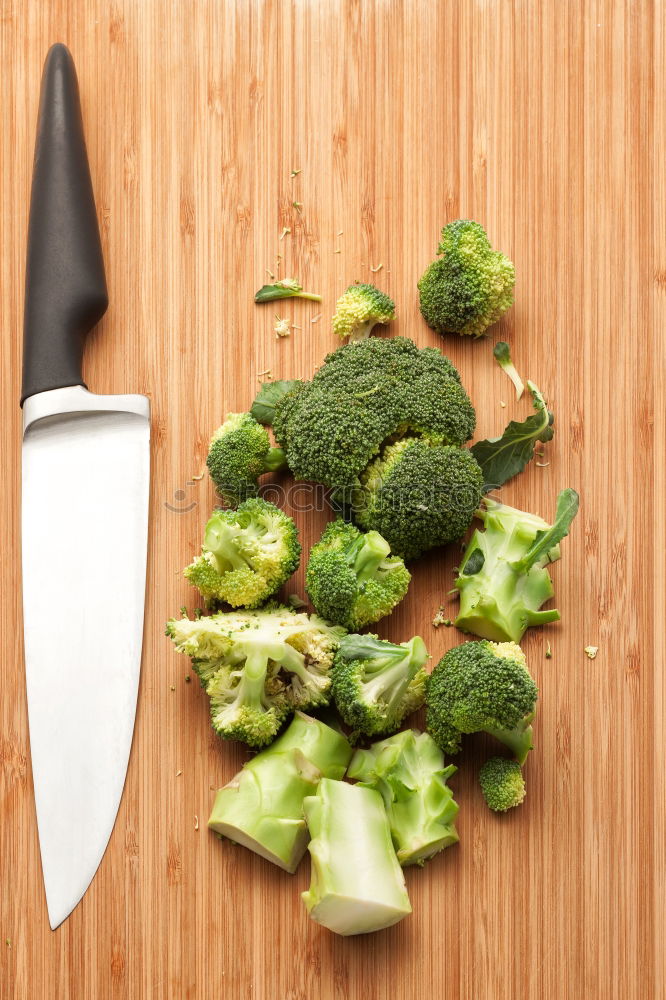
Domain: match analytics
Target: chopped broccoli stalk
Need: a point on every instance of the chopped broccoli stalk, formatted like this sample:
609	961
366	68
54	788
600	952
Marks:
419	495
364	396
258	667
357	885
240	451
247	554
502	783
351	577
376	683
288	288
502	356
470	286
502	578
408	771
261	808
482	687
359	309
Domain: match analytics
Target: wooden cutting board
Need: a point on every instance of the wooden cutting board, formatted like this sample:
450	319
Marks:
544	121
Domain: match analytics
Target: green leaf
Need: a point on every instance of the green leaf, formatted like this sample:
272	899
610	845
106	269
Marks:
504	457
288	288
567	508
263	408
474	563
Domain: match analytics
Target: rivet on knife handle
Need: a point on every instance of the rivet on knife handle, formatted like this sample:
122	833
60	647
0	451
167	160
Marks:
65	284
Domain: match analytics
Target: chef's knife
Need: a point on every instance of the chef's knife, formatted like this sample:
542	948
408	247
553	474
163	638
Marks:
84	516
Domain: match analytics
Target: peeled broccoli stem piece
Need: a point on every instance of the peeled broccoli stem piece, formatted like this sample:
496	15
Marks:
357	885
261	808
408	771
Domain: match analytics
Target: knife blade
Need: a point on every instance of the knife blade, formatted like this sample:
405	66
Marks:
85	481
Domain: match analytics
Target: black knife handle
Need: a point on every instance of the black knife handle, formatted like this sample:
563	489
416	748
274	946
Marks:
65	287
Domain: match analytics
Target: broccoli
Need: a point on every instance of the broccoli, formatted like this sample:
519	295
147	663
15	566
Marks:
502	356
240	452
261	808
470	286
287	288
246	554
352	579
502	578
482	687
359	309
408	771
357	885
258	666
502	783
418	495
363	396
376	683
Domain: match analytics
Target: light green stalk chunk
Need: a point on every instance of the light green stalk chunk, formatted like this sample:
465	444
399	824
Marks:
357	884
408	771
262	806
503	580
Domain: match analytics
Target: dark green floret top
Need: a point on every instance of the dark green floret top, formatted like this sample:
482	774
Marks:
482	687
364	395
240	451
470	286
502	783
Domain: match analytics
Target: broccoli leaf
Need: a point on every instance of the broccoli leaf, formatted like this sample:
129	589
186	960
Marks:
263	408
504	457
567	508
286	289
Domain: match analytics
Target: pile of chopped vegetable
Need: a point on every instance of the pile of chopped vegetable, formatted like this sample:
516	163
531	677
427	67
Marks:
385	426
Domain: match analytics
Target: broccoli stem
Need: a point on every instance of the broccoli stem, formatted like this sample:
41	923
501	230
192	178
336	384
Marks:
275	460
219	541
368	553
387	680
362	332
518	739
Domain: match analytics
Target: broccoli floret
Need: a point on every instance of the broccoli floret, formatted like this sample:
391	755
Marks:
502	355
482	687
376	683
357	885
363	396
419	495
470	286
351	577
240	452
246	555
502	783
502	578
258	666
359	309
262	806
408	771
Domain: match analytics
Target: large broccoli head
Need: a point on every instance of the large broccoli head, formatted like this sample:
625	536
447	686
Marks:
363	396
247	554
359	309
258	666
352	579
418	495
470	286
482	687
240	452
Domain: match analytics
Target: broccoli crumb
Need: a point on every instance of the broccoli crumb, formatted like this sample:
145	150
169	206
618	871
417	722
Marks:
591	651
295	173
549	652
285	232
440	618
188	679
282	327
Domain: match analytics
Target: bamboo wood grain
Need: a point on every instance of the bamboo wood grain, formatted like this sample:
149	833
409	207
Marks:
545	122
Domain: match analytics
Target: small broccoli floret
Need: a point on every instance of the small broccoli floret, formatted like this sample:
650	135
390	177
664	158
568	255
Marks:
419	495
502	356
351	577
357	885
408	771
482	687
364	396
258	666
502	783
502	578
240	452
359	309
376	684
470	287
246	555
